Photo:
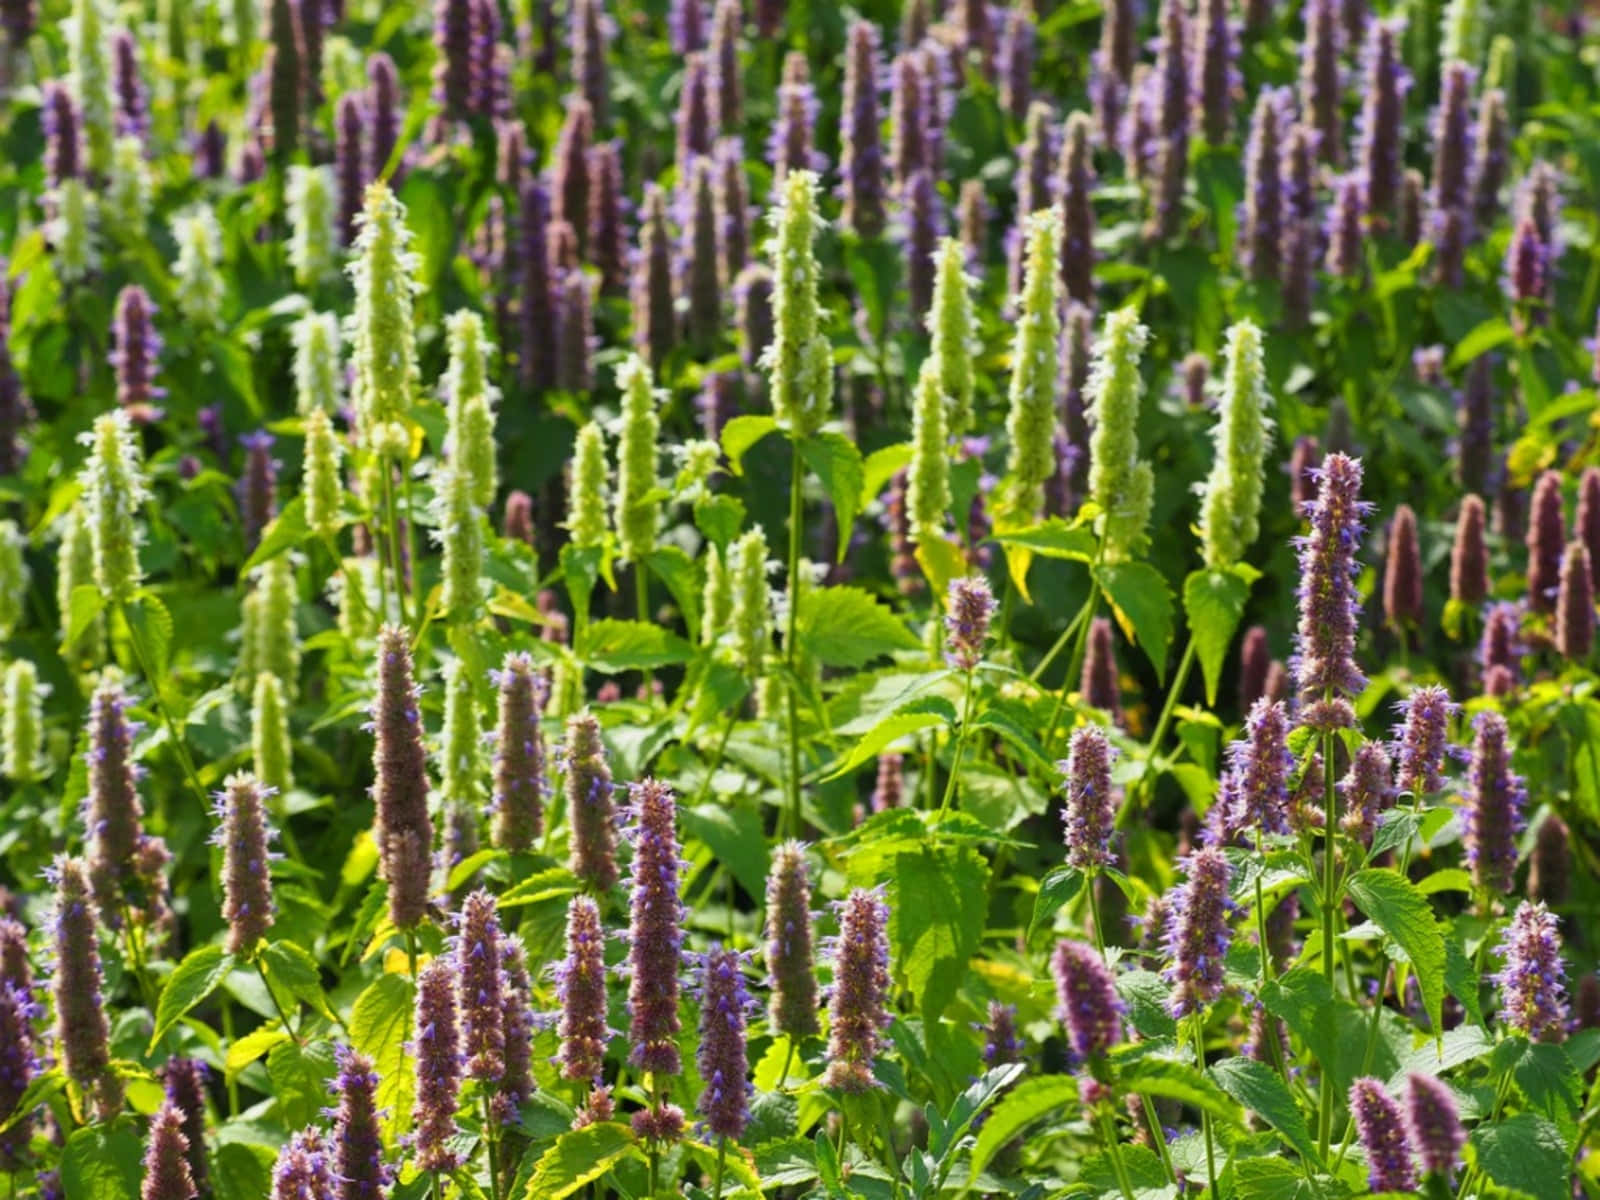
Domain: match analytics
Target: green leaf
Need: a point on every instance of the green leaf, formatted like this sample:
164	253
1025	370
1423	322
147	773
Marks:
39	1090
577	1158
1493	333
720	518
882	466
1258	1087
287	530
838	465
102	1163
677	570
245	1050
1546	1074
941	561
300	1077
545	885
941	896
735	838
1056	890
1213	601
580	567
612	646
1031	1100
87	603
292	971
848	627
1147	995
1053	538
151	623
380	1023
1396	906
1525	1154
922	714
242	1171
195	978
740	434
1152	1076
1142	604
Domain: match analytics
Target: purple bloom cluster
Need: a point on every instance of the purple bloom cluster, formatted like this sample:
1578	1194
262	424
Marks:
1254	793
404	830
1532	978
135	349
655	934
1366	791
1090	811
593	856
477	953
82	1032
166	1158
18	1063
1434	1124
358	1147
581	985
1324	662
721	1057
1088	1002
1421	740
517	1025
857	1012
436	1046
1197	933
305	1169
519	754
1495	801
968	612
246	885
1381	1127
257	489
184	1080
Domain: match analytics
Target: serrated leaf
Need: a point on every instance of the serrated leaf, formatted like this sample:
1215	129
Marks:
677	570
848	627
882	466
1525	1154
86	605
1396	906
150	622
102	1162
242	1171
1152	1076
1213	602
1258	1087
1147	995
291	970
940	898
300	1078
928	713
1494	332
1056	890
287	530
1142	604
579	1157
195	978
545	885
380	1023
39	1090
740	434
837	463
581	567
1031	1100
612	646
1053	538
720	518
244	1051
941	561
735	838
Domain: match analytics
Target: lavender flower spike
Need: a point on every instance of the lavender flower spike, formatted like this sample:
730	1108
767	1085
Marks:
437	1050
81	1029
1090	811
1495	800
1546	538
19	1062
166	1164
856	1011
1088	1002
969	610
593	857
1324	662
861	165
581	985
1423	733
722	1058
1434	1124
1382	1130
477	951
1198	935
400	791
304	1170
519	754
185	1090
655	932
1382	118
246	885
1575	620
358	1149
793	1008
1532	979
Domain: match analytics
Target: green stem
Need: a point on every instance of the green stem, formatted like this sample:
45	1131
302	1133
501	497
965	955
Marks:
411	955
393	539
1205	1117
411	544
796	507
1094	910
230	1083
1061	642
491	1135
288	1025
961	742
788	1061
1083	620
1108	1134
1330	823
722	1159
716	759
641	591
1273	1049
178	747
1144	785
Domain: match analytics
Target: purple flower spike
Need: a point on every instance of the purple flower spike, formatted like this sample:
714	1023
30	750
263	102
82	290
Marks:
1495	800
1469	556
358	1147
588	34
1090	811
1324	663
1254	797
924	224
1255	659
136	349
81	1029
1546	540
184	1079
304	1170
63	133
1532	979
384	110
1434	1124
861	158
581	985
1527	272
400	792
517	1025
588	788
569	189
246	886
1501	646
1575	605
793	984
519	754
1320	83
1100	684
1001	1042
654	315
257	490
437	1050
1074	190
1422	740
857	1012
18	1064
348	146
1385	84
1216	75
1261	237
127	86
452	42
722	1058
1382	1130
968	612
794	131
655	934
1550	865
1088	1002
113	813
1452	142
1343	232
1198	935
1366	791
538	324
1402	573
477	951
166	1158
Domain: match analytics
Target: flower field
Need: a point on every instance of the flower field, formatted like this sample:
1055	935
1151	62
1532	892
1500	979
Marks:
712	598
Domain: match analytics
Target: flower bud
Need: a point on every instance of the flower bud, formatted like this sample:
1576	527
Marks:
198	281
1119	482
380	330
269	734
114	487
586	504
1031	420
313	232
798	361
